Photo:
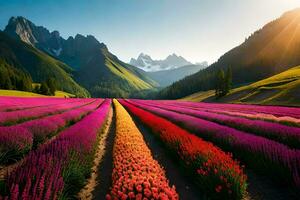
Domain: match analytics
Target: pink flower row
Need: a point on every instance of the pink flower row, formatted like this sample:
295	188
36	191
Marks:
20	138
48	171
256	114
279	111
27	114
17	103
285	115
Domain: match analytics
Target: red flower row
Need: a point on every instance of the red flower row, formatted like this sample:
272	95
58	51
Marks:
214	170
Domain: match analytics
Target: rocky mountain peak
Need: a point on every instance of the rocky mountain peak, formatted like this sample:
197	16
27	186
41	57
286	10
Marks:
175	57
18	20
144	56
55	34
51	43
21	28
79	37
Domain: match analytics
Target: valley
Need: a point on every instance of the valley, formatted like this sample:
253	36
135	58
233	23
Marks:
150	100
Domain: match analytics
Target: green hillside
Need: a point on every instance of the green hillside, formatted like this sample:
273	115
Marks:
281	89
268	51
18	55
104	75
199	96
120	71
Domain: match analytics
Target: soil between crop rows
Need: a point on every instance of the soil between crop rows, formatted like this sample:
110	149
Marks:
262	188
104	179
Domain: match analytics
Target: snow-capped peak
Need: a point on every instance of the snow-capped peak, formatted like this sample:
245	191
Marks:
146	63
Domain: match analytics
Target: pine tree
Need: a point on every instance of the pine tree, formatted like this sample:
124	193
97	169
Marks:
228	81
5	82
44	89
220	77
51	83
37	89
223	82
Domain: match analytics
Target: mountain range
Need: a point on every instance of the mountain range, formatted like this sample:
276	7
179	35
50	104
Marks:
270	50
146	63
83	65
82	58
168	70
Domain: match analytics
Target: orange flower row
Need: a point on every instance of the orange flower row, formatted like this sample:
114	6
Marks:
136	175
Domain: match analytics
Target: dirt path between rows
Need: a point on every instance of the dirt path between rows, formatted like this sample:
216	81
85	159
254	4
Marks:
103	181
86	192
262	188
185	187
7	169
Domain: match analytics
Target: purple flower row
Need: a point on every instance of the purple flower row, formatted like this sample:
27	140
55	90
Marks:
47	171
20	138
278	111
23	115
18	103
284	134
290	121
287	120
275	159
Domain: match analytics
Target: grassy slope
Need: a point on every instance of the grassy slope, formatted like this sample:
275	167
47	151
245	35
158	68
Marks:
133	80
281	89
104	75
63	94
199	96
17	93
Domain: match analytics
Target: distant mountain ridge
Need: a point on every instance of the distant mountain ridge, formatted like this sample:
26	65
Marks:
268	51
94	67
167	77
146	63
166	71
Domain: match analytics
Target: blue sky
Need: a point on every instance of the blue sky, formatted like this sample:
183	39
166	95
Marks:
196	29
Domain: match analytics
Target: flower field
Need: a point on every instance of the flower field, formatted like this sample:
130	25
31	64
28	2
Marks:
261	153
214	170
49	147
136	175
